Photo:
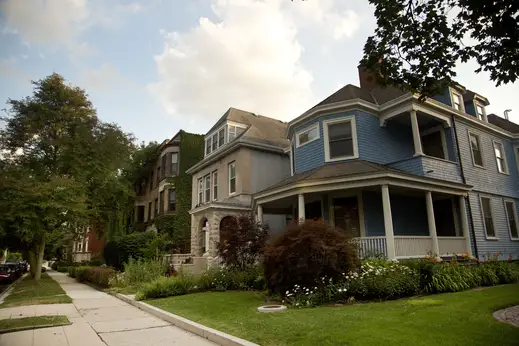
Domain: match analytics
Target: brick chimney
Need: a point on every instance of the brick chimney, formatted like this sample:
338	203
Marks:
367	79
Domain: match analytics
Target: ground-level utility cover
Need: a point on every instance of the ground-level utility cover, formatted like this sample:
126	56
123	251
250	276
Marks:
272	308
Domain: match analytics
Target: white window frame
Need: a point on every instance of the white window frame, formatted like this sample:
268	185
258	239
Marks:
516	155
503	152
207	177
507	200
351	119
462	105
208	146
215	185
439	129
232	164
478	137
484	115
308	129
495	237
200	190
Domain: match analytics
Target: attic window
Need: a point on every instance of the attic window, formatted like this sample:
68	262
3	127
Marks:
234	131
307	135
480	111
457	101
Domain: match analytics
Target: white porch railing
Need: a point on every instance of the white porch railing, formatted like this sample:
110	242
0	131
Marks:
371	246
412	246
452	245
176	259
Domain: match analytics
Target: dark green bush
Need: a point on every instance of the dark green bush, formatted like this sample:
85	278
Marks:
223	279
168	286
62	269
72	272
305	253
122	248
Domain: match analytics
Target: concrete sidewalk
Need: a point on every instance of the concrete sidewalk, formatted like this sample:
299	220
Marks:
98	319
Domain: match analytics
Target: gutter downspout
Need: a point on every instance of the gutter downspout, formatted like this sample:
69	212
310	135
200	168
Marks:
465	182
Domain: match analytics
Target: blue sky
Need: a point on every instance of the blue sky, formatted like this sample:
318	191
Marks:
158	66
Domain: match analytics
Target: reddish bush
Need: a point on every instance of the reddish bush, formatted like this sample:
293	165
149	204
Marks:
242	241
96	275
306	253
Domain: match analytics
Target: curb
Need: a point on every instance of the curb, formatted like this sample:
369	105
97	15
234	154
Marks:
10	288
210	334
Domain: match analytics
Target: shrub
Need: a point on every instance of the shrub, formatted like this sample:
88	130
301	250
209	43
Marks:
305	253
14	257
62	269
80	273
123	247
223	279
242	241
98	275
167	286
72	271
137	272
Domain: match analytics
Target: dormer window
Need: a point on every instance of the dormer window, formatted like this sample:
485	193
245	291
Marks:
307	135
480	111
218	138
457	101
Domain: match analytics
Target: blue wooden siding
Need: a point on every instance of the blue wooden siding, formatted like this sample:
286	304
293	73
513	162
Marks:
489	182
469	108
430	167
444	98
375	143
411	165
452	151
408	213
503	244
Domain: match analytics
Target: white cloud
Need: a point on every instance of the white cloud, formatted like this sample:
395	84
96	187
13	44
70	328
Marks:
103	78
249	58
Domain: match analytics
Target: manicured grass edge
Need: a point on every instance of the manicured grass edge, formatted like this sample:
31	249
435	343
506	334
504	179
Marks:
210	334
36	326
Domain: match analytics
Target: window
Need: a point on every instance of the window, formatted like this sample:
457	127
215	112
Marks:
340	139
215	142
174	163
208	146
215	185
457	101
486	210
163	169
433	144
158	175
207	189
234	131
172	200
79	245
475	147
161	202
151	180
502	167
149	211
221	137
512	219
307	135
200	191
480	111
156	211
232	178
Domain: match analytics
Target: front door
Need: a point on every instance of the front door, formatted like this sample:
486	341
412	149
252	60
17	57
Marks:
444	218
313	210
346	215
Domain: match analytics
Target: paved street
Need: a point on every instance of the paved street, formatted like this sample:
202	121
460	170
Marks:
98	319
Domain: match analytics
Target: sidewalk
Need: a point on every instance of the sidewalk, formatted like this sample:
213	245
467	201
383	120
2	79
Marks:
98	319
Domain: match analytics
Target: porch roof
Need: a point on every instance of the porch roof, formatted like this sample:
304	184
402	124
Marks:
354	171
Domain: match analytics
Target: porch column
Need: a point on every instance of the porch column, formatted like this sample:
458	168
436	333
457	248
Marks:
432	223
259	213
388	222
465	224
301	207
416	134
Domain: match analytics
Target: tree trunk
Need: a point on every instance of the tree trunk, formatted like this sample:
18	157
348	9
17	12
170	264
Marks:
39	260
32	262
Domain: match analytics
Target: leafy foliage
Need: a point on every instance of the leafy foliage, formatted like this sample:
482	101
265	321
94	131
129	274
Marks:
60	166
417	43
119	250
242	241
96	275
305	253
138	272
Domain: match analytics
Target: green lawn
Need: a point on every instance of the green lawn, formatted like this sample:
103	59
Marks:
35	321
30	292
463	318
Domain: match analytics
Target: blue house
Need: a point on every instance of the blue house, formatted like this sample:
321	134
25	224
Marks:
405	178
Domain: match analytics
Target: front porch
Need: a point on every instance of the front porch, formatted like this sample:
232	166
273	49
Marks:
397	219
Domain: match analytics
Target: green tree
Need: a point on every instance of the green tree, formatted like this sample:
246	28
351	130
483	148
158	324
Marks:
58	160
417	43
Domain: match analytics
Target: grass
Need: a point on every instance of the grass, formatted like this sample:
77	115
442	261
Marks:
463	318
31	292
31	322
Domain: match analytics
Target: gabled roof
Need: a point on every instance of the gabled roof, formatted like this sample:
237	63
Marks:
503	123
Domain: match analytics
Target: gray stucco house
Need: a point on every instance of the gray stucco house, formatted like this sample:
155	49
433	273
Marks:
405	178
244	153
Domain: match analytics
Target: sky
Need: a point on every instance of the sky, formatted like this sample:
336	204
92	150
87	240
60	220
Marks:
158	66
